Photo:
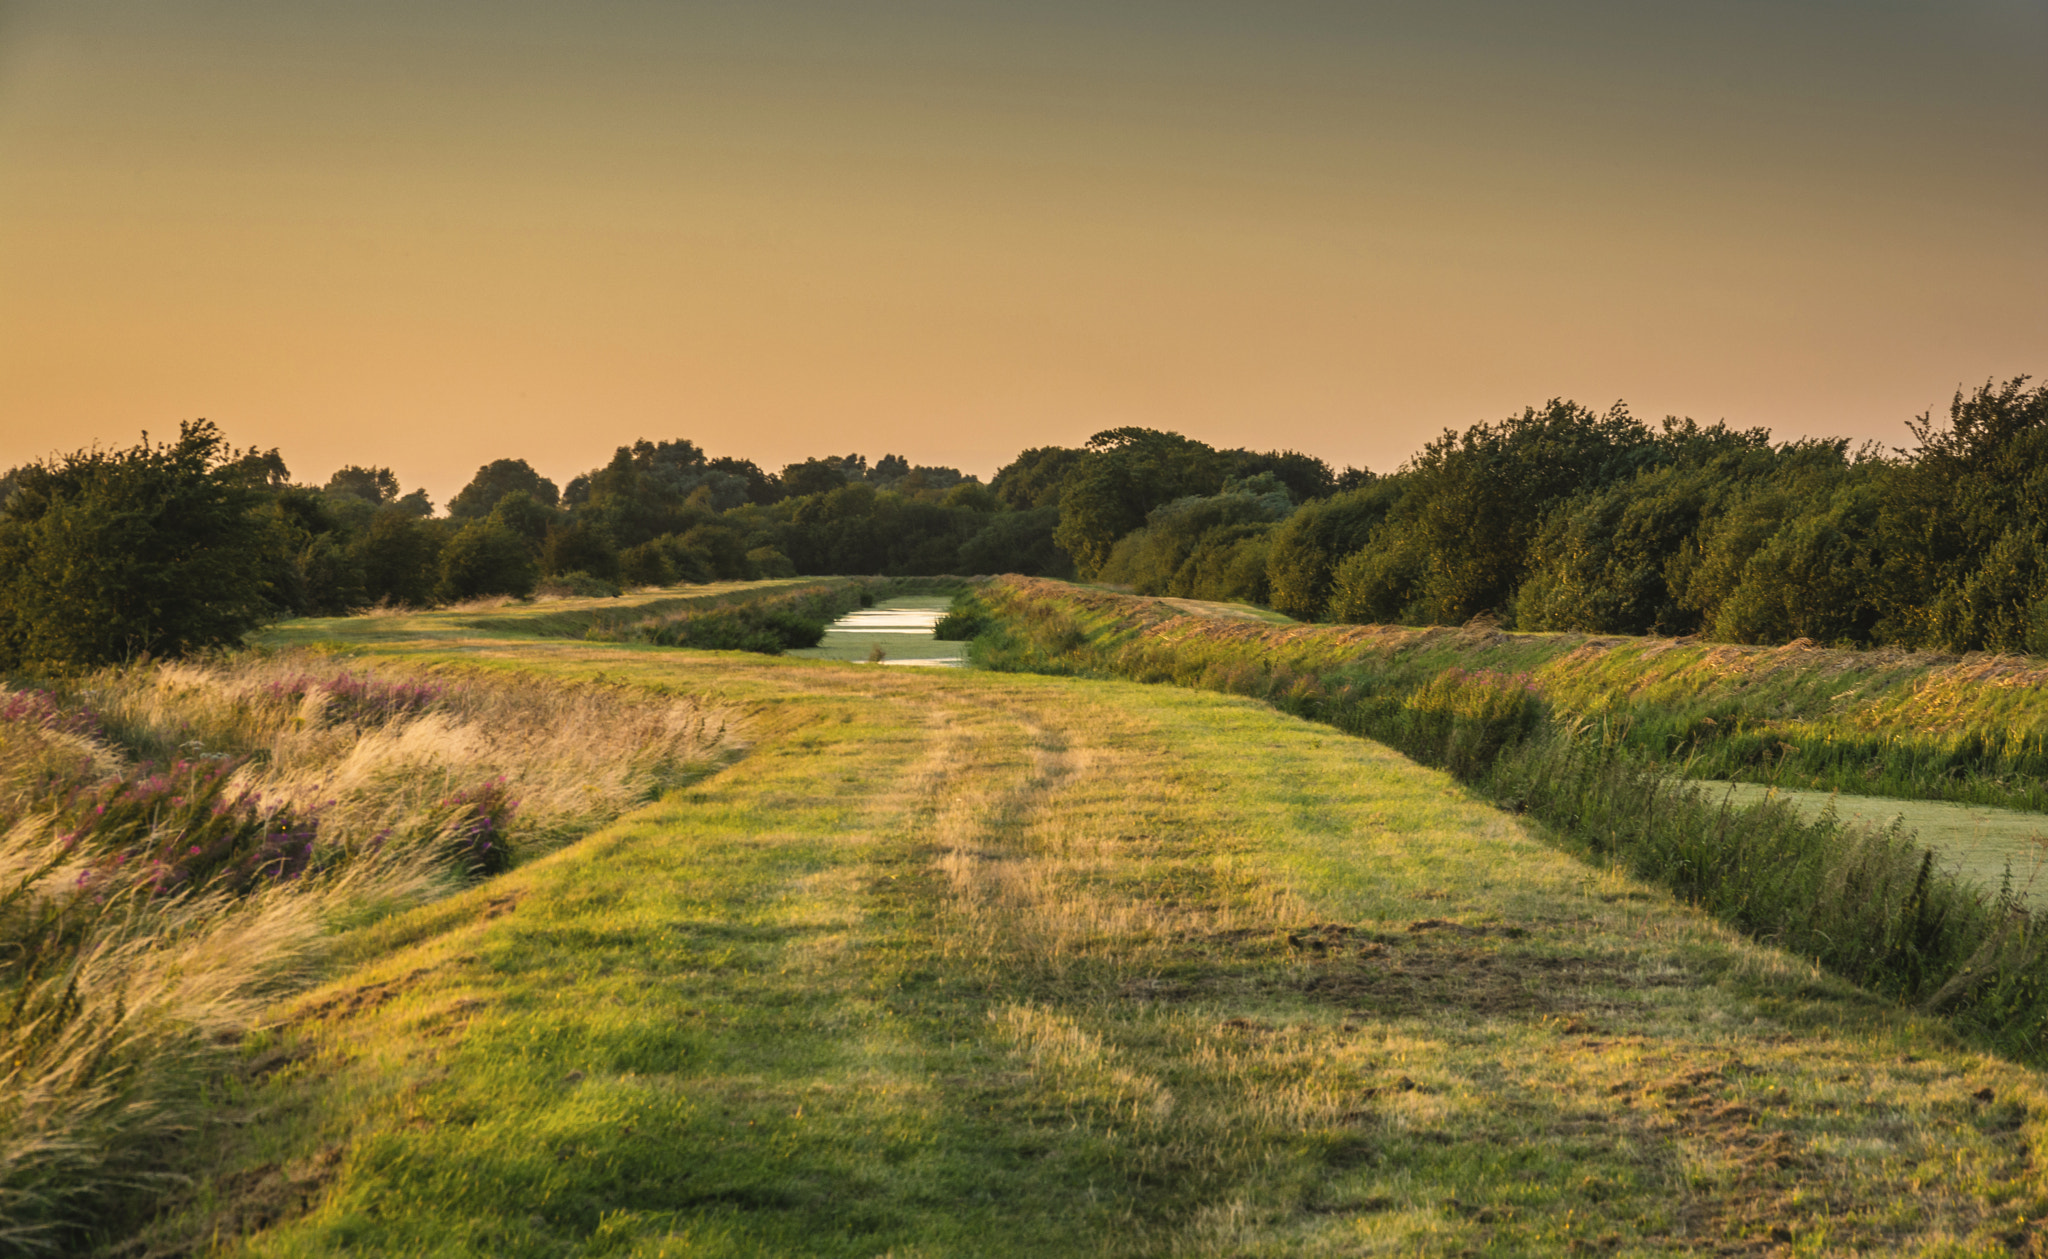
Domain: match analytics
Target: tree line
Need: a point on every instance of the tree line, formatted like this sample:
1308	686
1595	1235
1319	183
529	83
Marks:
1557	518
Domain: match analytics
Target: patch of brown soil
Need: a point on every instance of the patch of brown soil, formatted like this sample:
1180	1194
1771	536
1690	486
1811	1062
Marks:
246	1202
356	1000
1438	964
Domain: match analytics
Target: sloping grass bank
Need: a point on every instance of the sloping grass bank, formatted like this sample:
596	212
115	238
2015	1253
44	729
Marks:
179	844
1913	725
1872	906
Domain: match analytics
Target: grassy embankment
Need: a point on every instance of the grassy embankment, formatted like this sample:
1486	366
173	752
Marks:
965	963
1515	715
180	843
1912	725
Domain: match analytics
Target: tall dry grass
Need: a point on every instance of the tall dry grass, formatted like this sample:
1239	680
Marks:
177	840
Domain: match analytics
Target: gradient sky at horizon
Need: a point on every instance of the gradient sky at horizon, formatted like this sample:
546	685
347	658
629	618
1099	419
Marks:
435	233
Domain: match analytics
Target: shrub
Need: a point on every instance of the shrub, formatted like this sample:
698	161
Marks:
960	625
486	558
576	585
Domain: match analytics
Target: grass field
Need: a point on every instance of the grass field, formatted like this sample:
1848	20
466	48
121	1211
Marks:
957	963
1984	843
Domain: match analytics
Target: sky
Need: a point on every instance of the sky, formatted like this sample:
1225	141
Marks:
434	233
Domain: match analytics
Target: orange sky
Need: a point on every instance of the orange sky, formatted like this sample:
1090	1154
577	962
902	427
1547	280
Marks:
431	234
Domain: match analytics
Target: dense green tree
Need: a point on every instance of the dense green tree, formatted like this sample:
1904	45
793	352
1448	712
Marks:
494	481
484	557
378	486
1201	546
1972	494
1306	550
578	548
332	573
108	554
1035	477
719	550
1812	578
1305	476
1016	542
1614	558
1458	542
400	555
649	564
814	476
1123	474
525	517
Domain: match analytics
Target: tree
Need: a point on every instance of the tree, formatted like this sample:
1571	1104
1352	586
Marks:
1307	548
1305	476
1196	547
1964	500
578	548
1459	541
486	558
814	476
379	488
108	554
494	481
401	558
1035	477
372	485
1017	542
1121	477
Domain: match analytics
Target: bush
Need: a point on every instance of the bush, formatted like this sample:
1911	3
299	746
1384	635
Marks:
960	624
766	563
747	627
485	558
576	585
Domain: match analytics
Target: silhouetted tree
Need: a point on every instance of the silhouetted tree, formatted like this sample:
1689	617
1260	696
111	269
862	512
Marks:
494	481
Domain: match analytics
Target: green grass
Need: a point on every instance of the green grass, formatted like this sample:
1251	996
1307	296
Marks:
1911	725
1874	906
958	963
1983	843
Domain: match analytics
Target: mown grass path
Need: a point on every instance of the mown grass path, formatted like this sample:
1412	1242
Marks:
960	964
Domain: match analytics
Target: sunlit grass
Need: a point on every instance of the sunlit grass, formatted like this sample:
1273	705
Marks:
1984	843
953	963
179	843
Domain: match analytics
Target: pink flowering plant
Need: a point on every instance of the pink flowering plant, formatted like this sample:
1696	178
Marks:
181	828
478	821
40	710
